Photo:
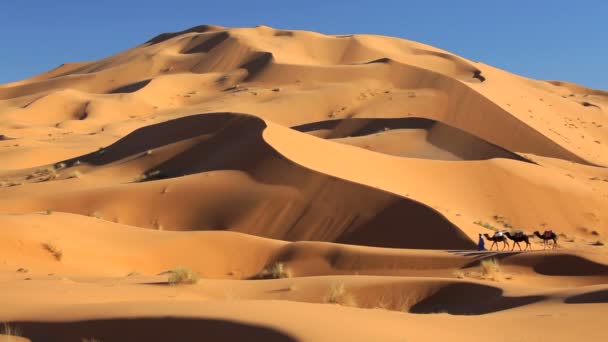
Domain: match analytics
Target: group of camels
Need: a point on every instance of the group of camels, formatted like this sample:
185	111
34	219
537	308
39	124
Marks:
519	237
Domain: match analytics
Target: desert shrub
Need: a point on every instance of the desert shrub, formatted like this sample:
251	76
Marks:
9	330
75	174
489	267
182	275
276	271
337	294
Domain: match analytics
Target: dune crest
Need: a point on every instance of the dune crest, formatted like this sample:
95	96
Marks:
232	183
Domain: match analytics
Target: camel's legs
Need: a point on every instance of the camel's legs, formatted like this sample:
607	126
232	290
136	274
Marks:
518	245
494	243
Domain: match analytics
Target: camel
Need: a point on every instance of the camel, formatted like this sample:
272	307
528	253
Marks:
519	237
497	238
547	235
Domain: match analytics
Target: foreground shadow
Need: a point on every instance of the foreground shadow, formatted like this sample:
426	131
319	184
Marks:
149	329
470	299
600	296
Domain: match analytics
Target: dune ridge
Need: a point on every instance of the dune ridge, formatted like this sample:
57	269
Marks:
313	182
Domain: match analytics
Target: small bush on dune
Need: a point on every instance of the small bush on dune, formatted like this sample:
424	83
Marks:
75	174
338	295
276	271
182	275
8	330
489	267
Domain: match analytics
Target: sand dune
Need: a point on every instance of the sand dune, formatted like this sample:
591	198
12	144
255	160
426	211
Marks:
357	169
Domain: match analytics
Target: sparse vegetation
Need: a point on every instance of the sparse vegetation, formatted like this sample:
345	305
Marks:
486	225
96	214
489	267
140	178
598	243
45	174
48	212
9	330
182	275
338	295
75	174
54	250
459	274
276	271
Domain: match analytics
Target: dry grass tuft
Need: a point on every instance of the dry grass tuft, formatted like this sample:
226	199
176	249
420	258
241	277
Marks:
96	214
182	275
54	250
8	330
338	295
276	271
489	267
75	174
459	274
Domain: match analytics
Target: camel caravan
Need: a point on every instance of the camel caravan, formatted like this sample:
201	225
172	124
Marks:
517	237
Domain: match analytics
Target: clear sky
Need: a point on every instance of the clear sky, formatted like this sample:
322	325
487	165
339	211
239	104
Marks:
543	39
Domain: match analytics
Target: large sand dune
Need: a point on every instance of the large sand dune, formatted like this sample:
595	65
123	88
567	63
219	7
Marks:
359	169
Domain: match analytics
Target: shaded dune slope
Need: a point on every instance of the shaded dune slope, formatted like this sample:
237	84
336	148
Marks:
314	206
408	137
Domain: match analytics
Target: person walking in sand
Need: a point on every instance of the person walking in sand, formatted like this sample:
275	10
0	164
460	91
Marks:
481	243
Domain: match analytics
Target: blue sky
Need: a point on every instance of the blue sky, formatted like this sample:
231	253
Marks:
564	40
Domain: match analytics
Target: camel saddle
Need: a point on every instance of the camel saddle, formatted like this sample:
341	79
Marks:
548	234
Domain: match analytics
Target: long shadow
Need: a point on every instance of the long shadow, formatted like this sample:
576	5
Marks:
326	208
149	329
130	88
569	265
209	43
458	142
166	36
257	64
391	229
600	296
470	299
157	135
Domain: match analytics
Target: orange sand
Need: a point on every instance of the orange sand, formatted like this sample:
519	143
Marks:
364	165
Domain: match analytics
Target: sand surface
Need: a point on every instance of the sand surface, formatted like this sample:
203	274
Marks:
323	188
